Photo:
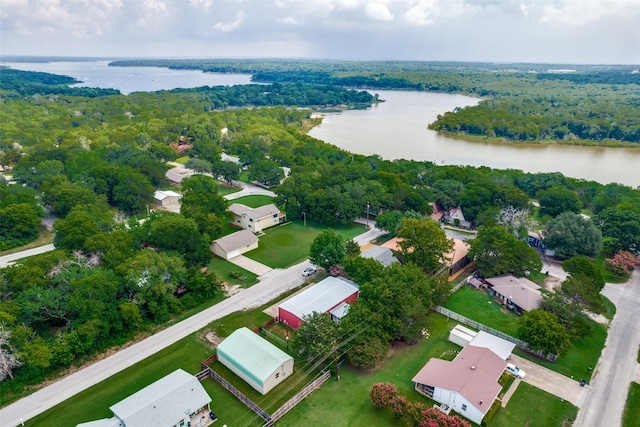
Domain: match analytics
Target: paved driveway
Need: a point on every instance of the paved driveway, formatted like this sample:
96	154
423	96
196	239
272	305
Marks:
549	381
605	399
248	264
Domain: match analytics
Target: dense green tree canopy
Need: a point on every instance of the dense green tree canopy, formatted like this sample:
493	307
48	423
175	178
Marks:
327	250
495	251
544	332
424	243
570	234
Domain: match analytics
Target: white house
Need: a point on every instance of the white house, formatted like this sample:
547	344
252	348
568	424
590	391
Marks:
467	385
234	244
167	198
464	336
176	400
256	219
456	217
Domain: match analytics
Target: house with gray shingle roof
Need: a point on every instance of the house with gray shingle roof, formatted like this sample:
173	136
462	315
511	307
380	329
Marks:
234	244
256	219
174	400
518	293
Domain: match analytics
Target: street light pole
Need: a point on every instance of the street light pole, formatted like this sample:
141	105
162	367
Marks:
367	214
304	215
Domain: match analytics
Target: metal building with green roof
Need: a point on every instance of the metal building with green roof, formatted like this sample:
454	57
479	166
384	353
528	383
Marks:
254	359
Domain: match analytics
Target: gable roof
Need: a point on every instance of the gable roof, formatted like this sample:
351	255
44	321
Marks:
320	297
239	239
460	250
501	347
255	213
474	373
522	291
381	254
177	174
163	194
163	402
253	355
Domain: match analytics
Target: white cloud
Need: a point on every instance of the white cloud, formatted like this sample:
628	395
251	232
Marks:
153	12
226	27
201	4
289	20
378	12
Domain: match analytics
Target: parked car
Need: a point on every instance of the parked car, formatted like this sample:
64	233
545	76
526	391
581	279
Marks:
515	371
308	271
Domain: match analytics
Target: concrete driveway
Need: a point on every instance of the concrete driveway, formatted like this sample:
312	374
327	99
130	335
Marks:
250	265
549	381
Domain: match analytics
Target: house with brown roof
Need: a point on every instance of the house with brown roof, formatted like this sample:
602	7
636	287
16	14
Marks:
256	219
467	385
457	258
517	293
234	244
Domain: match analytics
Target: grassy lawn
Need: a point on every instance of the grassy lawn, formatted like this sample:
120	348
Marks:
533	407
346	402
253	201
224	189
479	306
94	402
288	244
631	415
582	356
224	268
182	160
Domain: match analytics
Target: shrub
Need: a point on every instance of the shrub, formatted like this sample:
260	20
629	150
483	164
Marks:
623	262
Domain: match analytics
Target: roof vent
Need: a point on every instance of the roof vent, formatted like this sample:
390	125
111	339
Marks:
473	367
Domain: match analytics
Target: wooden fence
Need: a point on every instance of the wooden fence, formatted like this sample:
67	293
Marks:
479	326
306	391
241	397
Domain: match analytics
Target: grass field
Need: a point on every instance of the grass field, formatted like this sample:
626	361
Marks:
479	306
224	268
224	189
631	416
254	201
532	407
289	244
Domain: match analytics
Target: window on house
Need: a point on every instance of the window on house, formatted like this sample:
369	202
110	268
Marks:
250	219
464	407
277	374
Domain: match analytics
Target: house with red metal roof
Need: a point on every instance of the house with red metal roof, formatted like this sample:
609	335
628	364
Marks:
467	385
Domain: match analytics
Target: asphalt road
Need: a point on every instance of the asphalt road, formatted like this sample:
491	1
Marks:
8	259
270	287
604	399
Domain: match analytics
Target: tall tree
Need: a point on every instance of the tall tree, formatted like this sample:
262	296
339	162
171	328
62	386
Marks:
556	200
543	332
317	338
569	234
424	243
495	251
327	249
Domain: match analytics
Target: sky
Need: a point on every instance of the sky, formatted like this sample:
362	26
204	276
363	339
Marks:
547	31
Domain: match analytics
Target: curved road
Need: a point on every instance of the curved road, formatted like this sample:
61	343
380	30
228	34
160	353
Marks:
9	259
604	399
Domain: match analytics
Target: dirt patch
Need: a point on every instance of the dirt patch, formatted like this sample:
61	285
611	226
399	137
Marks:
230	289
551	283
211	338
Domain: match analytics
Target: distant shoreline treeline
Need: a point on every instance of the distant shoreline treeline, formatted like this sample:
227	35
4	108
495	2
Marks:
570	104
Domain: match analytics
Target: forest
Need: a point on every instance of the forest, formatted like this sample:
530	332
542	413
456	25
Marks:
532	103
94	162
